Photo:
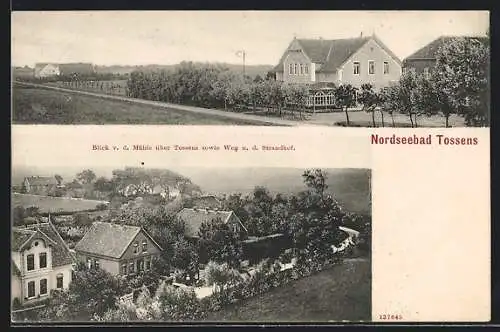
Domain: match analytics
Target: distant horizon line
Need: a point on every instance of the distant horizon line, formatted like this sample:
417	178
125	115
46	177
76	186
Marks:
143	65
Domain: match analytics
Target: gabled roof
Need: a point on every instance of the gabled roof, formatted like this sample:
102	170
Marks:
41	180
109	239
21	236
208	201
76	68
195	217
429	51
333	53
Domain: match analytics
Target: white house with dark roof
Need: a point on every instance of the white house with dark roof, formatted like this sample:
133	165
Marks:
118	249
352	61
41	261
195	217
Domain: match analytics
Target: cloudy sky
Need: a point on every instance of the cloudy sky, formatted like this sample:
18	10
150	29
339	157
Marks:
135	38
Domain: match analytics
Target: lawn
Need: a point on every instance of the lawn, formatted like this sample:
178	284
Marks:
43	106
54	204
340	293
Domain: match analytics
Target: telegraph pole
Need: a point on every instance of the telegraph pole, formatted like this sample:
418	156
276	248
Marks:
242	54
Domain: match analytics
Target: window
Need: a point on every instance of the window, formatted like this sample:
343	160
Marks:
43	286
30	261
89	263
290	69
144	246
131	267
59	281
371	67
124	268
140	265
306	69
426	72
31	289
296	70
96	263
136	247
43	260
146	264
355	68
235	228
301	69
386	67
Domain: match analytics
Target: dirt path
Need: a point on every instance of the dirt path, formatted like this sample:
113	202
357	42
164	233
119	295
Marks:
205	111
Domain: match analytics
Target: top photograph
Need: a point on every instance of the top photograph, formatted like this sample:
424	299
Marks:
403	69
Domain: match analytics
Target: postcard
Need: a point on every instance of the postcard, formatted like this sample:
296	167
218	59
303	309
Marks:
237	167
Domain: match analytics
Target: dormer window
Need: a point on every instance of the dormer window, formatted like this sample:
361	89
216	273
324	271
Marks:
136	247
144	246
30	262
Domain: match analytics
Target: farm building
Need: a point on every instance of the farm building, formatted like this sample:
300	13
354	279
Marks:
424	59
44	70
195	217
41	262
39	185
118	249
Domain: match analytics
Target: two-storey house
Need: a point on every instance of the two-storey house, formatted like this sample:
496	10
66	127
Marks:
39	185
352	61
41	261
118	249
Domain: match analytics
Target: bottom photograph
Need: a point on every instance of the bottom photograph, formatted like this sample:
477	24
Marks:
200	245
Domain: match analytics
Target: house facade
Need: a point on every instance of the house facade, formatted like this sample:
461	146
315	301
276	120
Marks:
352	61
44	70
195	217
118	249
424	59
41	262
39	185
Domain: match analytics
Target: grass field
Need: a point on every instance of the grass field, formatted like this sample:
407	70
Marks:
44	106
54	204
340	293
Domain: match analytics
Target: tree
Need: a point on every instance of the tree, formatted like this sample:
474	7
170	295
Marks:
219	243
404	96
315	180
94	290
462	74
86	176
389	101
104	185
186	257
18	214
345	95
370	100
59	179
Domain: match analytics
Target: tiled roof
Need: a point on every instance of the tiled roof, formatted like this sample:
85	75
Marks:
195	217
41	180
107	239
430	50
210	202
330	53
61	254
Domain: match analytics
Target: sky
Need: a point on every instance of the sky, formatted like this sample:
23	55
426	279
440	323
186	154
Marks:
169	37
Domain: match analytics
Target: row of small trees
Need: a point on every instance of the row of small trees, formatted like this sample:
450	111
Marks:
458	84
